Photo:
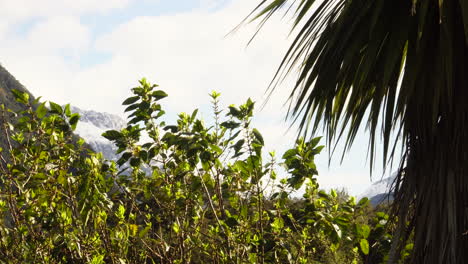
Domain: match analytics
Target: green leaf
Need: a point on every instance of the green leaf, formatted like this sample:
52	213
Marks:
131	107
363	202
363	230
290	153
112	135
314	142
67	110
143	155
37	100
237	147
337	231
258	136
194	114
21	97
278	223
144	231
124	158
98	259
176	228
159	94
41	111
135	162
364	245
322	194
233	111
173	129
120	212
230	124
74	120
231	221
131	100
55	108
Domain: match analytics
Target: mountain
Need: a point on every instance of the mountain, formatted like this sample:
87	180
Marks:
91	126
7	84
378	192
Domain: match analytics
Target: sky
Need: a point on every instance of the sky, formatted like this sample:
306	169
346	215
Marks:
90	53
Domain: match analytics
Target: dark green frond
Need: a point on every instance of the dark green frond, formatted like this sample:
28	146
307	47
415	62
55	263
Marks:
399	68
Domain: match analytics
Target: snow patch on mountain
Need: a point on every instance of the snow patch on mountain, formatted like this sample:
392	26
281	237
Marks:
379	191
91	126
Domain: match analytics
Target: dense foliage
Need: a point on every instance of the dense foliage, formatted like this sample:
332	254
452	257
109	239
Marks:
191	194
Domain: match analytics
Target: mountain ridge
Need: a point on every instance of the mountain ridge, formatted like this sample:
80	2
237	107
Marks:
380	191
91	126
7	83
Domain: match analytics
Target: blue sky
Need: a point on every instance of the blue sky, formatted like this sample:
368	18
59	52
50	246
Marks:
90	53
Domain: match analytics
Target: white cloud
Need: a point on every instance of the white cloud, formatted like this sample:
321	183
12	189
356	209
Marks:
19	10
188	54
58	34
208	3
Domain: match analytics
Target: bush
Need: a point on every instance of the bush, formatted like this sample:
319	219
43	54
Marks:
192	194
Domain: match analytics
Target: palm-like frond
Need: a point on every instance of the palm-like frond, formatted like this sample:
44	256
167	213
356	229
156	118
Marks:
400	67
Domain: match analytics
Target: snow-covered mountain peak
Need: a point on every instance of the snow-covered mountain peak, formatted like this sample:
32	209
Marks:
378	187
379	191
99	119
91	126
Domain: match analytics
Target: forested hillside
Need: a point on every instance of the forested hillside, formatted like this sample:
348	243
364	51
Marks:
8	83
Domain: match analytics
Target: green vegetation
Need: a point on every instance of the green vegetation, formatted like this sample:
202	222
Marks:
397	67
191	194
8	83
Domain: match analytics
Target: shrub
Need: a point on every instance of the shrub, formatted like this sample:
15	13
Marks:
191	194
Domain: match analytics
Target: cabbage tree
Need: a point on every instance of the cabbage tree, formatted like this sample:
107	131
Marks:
399	67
